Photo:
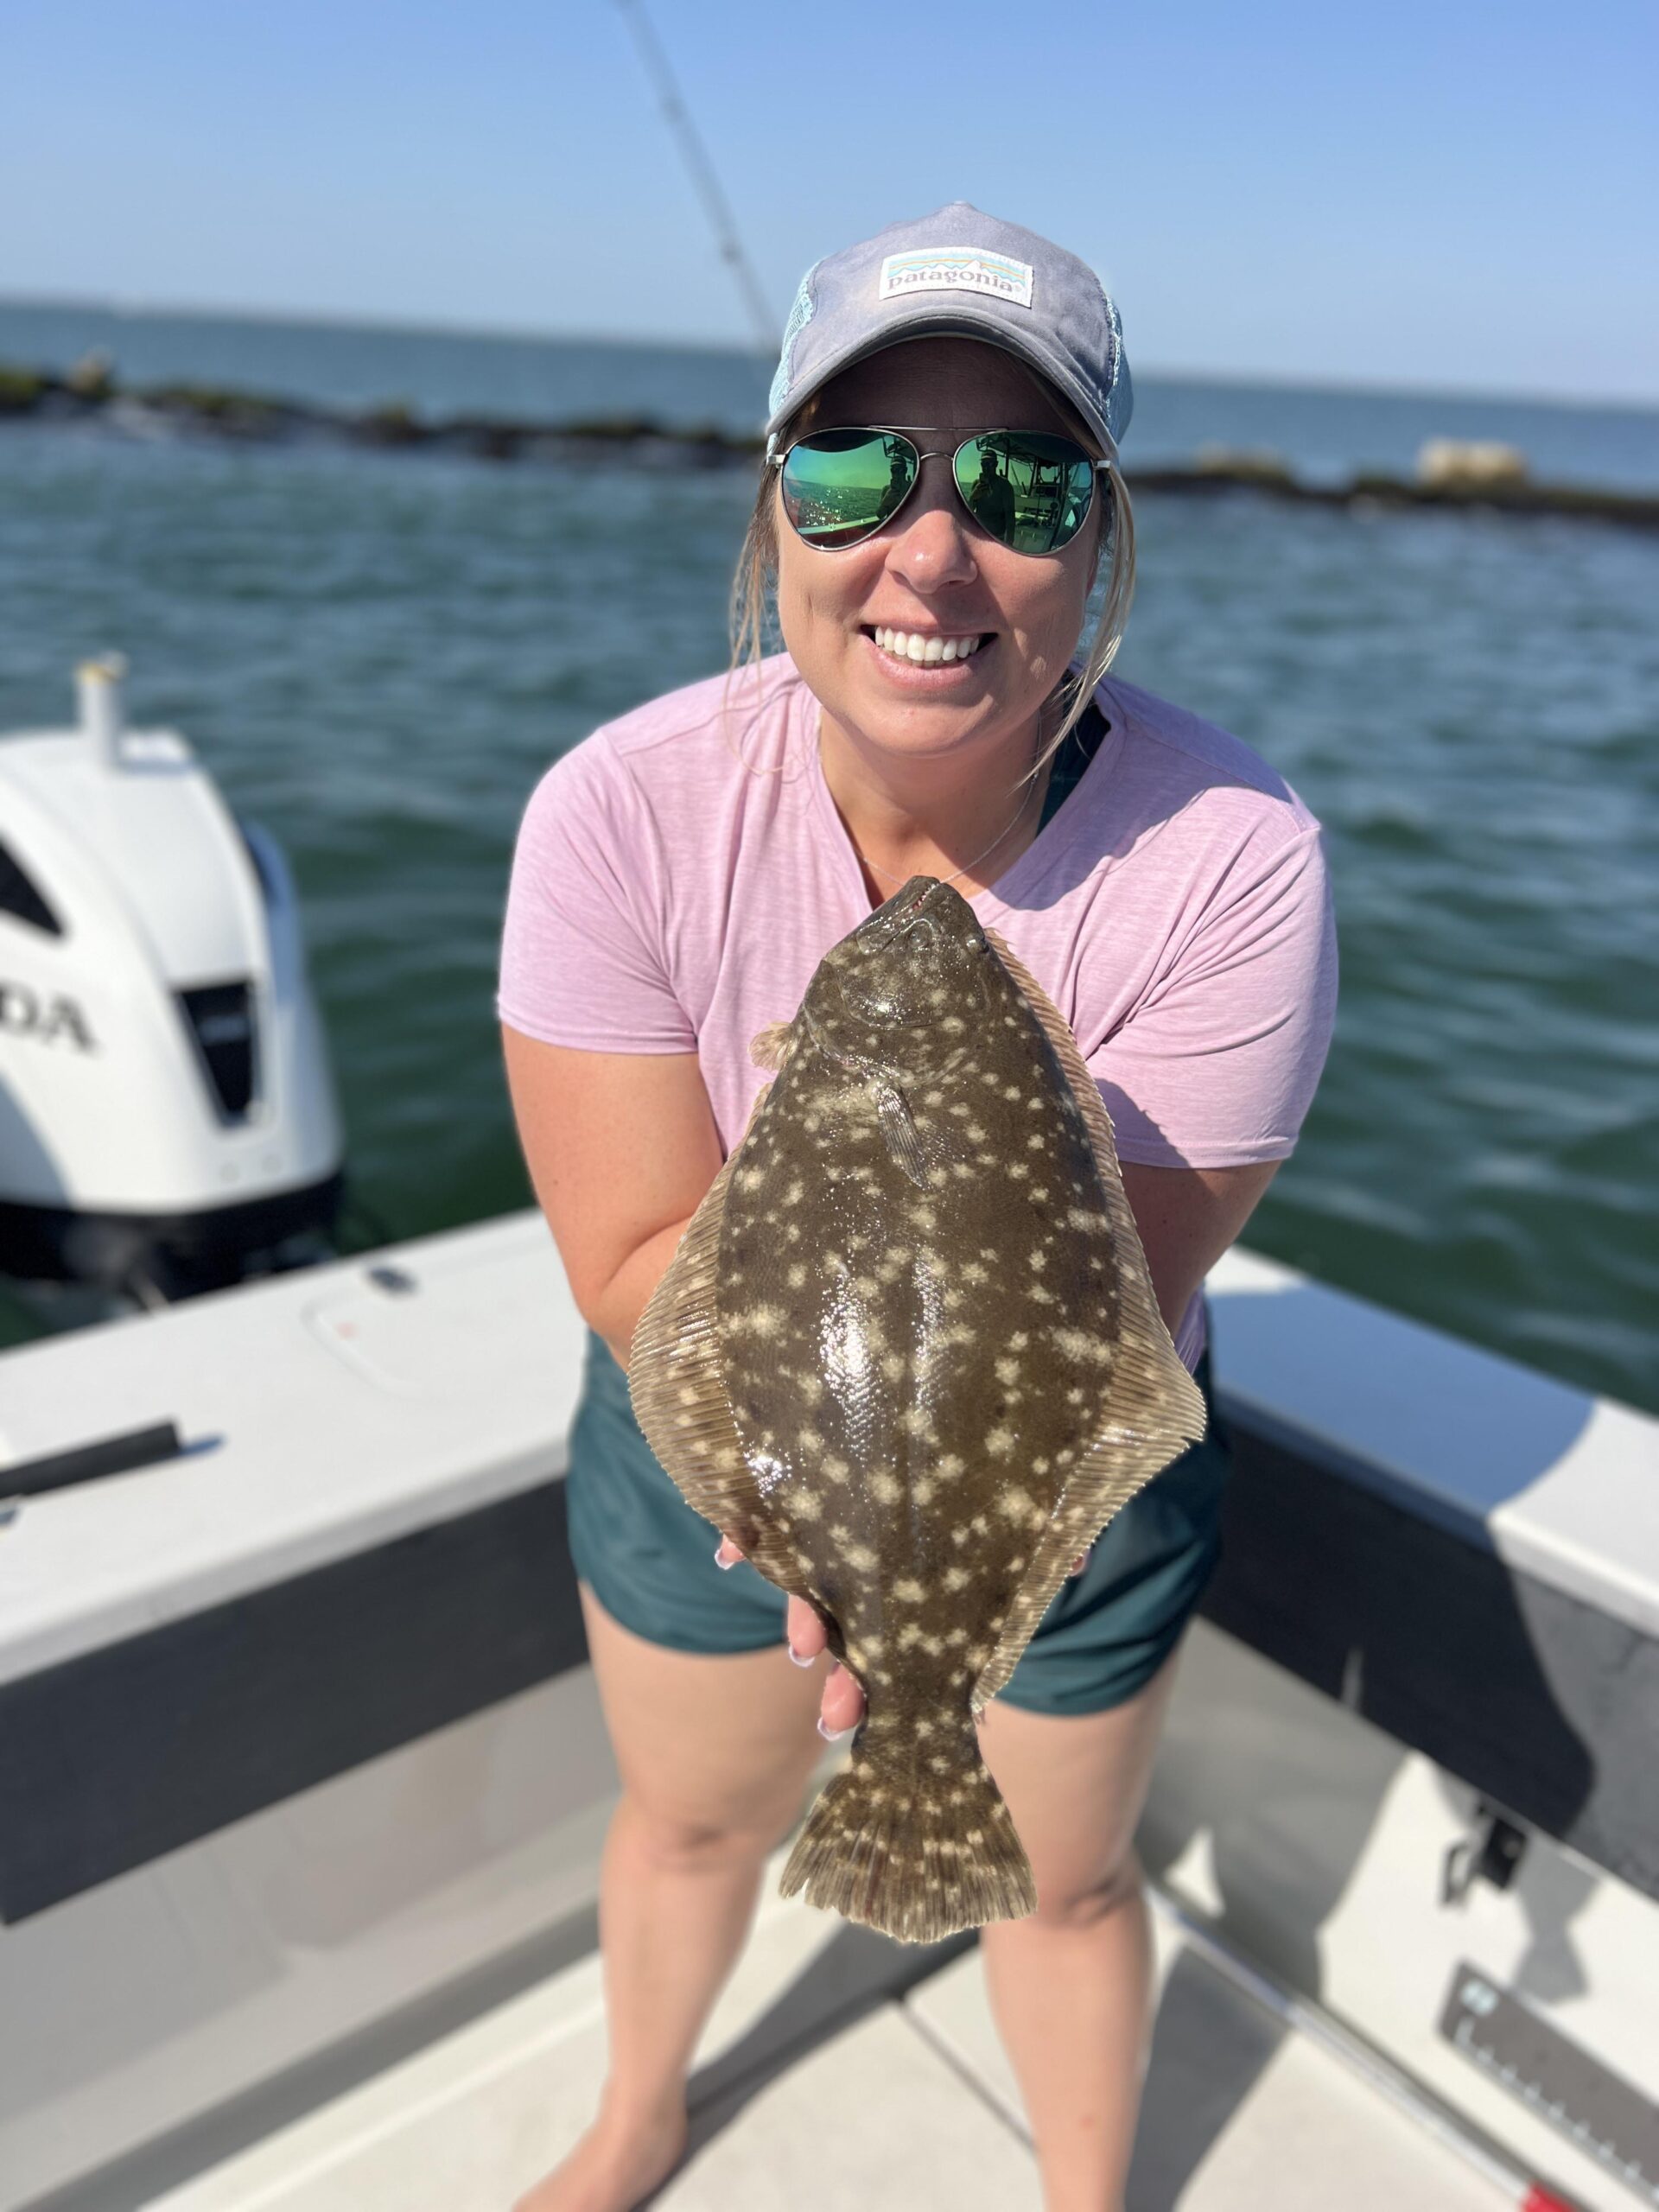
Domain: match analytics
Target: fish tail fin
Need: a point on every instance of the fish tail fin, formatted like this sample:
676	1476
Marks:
917	1859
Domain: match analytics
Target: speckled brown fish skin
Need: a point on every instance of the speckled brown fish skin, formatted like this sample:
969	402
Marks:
912	1363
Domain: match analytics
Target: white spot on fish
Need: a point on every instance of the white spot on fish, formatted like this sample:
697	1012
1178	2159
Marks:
1081	1343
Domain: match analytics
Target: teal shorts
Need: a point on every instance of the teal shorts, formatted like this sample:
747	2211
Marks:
649	1558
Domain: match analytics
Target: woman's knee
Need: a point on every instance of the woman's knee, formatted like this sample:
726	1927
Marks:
1073	1900
675	1840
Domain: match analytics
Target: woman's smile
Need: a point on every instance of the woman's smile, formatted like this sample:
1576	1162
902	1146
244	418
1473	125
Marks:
930	660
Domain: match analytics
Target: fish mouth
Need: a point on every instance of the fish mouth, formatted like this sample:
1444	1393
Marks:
912	908
905	903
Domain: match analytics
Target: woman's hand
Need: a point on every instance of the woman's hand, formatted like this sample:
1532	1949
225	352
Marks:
842	1704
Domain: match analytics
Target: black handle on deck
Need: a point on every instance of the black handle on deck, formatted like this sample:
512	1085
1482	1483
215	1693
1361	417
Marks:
85	1463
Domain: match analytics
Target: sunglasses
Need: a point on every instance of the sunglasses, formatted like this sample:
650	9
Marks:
1029	491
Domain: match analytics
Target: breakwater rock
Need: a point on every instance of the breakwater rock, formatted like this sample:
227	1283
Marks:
1490	479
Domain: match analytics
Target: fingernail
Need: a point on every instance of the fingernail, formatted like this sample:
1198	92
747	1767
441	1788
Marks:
796	1657
834	1735
719	1562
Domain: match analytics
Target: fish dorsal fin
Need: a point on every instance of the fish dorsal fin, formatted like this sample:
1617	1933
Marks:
1154	1409
769	1047
677	1390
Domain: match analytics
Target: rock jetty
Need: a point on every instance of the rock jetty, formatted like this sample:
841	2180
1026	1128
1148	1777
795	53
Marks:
1450	472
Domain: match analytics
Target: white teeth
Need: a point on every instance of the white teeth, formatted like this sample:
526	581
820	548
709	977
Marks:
913	646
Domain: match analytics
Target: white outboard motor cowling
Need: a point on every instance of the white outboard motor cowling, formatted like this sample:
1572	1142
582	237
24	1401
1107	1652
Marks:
167	1121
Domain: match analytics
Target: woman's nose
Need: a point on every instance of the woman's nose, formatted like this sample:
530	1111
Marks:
931	545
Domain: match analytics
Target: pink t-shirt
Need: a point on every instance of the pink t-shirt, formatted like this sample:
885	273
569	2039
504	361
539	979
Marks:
666	898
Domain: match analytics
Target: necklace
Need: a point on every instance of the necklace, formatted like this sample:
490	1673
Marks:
890	878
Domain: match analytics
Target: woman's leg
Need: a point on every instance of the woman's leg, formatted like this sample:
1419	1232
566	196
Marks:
1069	1984
715	1753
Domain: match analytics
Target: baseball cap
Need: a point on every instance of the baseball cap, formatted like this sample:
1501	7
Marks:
959	272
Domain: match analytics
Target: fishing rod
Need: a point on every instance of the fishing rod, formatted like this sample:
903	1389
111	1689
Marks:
707	185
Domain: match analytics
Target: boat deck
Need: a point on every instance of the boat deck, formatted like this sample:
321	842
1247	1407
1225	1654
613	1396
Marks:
852	2075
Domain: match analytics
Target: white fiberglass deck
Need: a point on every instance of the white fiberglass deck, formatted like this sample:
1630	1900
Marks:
818	2084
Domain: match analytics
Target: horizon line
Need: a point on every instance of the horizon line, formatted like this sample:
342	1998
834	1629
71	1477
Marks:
393	325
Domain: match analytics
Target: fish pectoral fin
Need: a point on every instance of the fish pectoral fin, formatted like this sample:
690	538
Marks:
771	1046
904	1139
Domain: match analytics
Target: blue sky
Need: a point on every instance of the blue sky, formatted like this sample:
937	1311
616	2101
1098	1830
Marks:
1451	195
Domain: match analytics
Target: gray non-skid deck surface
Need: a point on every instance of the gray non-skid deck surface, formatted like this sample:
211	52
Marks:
831	2075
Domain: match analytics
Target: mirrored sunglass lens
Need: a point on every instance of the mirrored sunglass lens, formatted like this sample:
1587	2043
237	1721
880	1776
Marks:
1028	490
840	487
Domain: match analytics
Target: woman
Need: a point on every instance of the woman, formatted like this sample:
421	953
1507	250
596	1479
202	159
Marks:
940	493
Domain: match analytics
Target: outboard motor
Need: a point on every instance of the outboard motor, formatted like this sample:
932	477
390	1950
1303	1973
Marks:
168	1119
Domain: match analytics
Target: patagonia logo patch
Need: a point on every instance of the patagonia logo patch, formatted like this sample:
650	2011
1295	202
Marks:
956	269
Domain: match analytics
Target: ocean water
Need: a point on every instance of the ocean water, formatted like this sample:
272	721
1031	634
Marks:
377	654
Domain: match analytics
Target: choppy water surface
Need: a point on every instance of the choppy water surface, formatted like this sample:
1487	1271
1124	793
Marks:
377	655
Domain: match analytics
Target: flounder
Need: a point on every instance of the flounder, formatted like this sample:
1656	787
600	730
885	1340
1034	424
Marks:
908	1356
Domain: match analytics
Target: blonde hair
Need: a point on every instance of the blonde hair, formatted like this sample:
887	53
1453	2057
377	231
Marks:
754	616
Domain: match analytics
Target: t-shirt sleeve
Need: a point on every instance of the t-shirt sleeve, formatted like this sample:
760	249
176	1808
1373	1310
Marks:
1217	1064
582	941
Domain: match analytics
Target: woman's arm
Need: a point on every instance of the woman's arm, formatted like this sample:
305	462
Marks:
621	1148
1187	1217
